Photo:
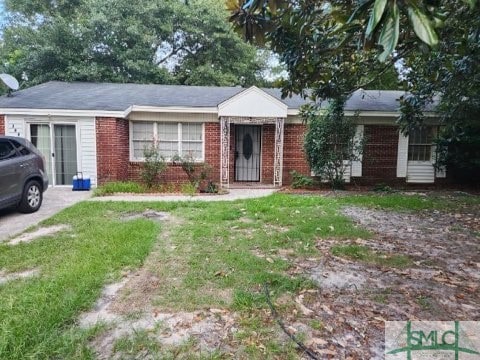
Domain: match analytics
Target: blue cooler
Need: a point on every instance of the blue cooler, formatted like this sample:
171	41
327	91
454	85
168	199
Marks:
81	183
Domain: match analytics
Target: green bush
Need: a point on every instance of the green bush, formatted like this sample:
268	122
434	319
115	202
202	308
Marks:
196	173
330	143
300	181
154	165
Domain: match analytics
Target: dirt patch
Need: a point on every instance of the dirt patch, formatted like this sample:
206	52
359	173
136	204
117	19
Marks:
43	231
137	293
208	328
355	298
126	307
6	277
147	214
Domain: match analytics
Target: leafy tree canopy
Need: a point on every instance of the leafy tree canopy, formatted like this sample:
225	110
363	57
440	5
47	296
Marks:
161	41
450	76
381	23
335	47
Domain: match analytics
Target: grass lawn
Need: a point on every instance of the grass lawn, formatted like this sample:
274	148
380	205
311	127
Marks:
212	255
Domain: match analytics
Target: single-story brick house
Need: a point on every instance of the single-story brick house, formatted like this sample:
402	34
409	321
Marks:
246	135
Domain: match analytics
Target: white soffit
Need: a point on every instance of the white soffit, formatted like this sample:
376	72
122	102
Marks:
253	102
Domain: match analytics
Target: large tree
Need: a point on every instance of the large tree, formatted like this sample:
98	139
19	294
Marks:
449	75
335	47
161	41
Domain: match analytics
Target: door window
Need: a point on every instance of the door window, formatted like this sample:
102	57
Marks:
40	138
65	140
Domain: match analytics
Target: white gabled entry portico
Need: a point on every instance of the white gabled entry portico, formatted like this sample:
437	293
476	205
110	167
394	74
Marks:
252	107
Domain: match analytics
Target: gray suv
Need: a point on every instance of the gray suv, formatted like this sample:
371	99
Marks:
22	174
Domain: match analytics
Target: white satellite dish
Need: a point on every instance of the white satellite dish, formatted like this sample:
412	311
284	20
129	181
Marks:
10	81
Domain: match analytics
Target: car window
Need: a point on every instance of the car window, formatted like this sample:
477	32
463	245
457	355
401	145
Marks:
7	151
21	148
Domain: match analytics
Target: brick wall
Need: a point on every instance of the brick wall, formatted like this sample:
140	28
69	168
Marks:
213	149
380	154
293	153
268	153
2	124
112	149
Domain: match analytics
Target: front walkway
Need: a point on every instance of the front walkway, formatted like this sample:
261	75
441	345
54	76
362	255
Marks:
234	194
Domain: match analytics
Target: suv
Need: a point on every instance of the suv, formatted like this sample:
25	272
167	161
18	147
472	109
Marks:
22	174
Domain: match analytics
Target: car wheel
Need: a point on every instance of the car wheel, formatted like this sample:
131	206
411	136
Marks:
31	198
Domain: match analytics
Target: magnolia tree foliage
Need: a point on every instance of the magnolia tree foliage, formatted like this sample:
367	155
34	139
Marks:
157	41
449	76
330	142
385	24
335	47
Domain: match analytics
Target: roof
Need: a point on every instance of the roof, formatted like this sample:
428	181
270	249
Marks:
119	97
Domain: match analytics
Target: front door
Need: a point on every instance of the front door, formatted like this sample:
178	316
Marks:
247	152
58	143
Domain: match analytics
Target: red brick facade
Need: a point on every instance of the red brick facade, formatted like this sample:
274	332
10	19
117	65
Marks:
268	153
113	158
2	124
293	154
112	149
380	154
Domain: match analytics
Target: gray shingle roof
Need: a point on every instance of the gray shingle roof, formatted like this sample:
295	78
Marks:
119	97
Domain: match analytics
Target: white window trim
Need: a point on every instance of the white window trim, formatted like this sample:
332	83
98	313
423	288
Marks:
155	139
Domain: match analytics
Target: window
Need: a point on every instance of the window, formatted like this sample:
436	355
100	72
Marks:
171	139
420	144
7	151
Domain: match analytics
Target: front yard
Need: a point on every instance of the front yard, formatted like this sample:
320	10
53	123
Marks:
189	279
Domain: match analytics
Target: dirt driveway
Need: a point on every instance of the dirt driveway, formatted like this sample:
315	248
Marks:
54	200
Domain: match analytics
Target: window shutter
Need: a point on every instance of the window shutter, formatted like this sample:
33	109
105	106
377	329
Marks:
402	157
357	164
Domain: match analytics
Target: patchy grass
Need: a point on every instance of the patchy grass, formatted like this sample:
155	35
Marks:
38	313
211	255
119	187
367	255
411	202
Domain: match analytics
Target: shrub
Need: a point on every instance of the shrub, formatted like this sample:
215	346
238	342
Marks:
300	180
154	165
330	143
212	188
196	173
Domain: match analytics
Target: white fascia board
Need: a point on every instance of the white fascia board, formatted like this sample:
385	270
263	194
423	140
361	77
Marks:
383	113
395	114
172	109
62	112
